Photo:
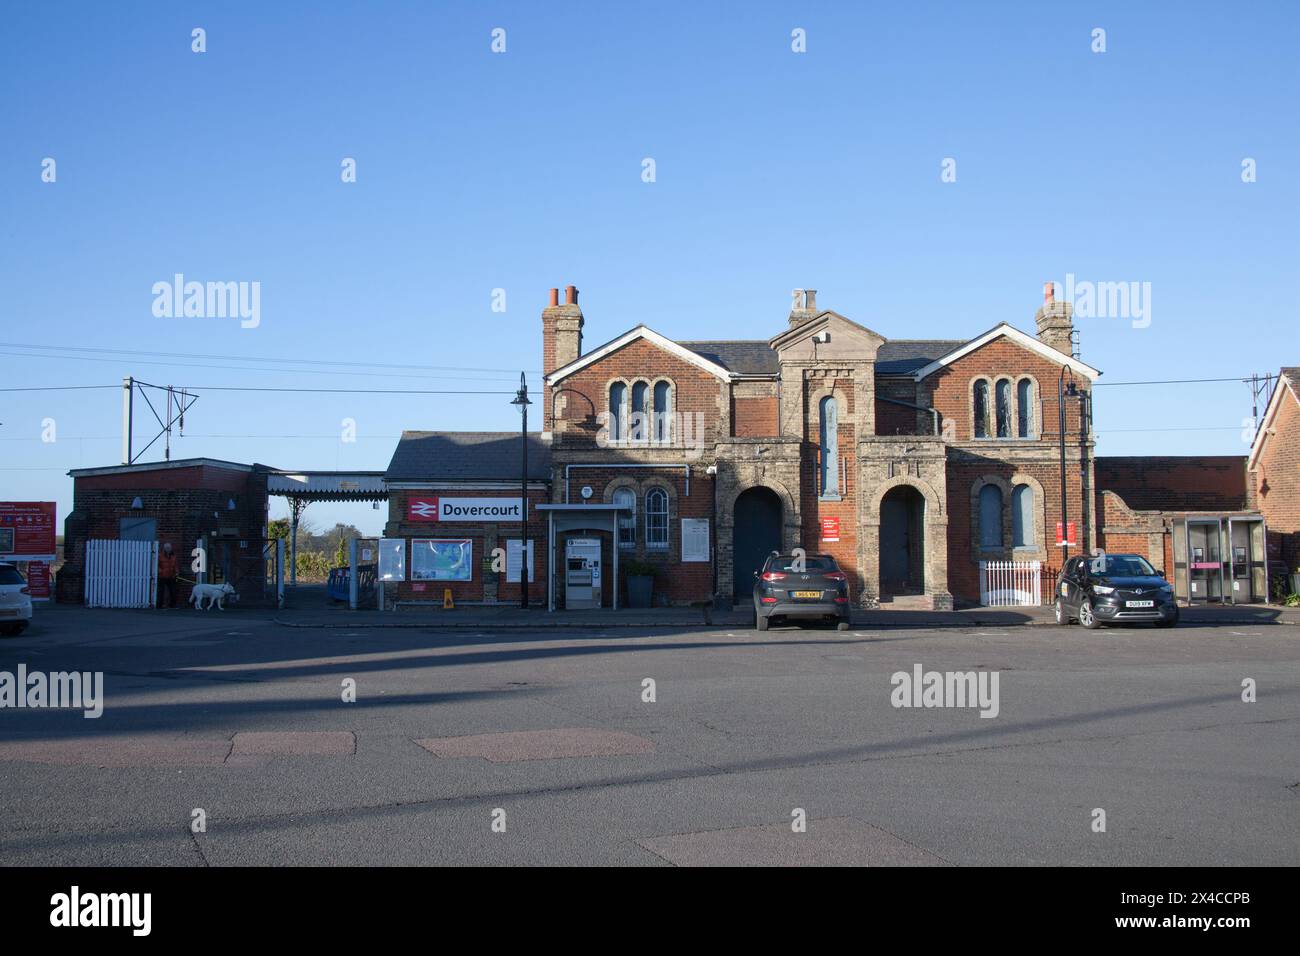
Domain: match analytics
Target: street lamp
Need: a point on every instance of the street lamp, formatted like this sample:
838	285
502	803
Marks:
1062	390
521	399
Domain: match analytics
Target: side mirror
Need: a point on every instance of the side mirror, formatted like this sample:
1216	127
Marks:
755	574
1160	574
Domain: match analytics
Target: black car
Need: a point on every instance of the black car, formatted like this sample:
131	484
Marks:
1114	589
813	588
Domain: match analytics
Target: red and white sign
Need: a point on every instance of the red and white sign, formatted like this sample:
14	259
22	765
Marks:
27	530
438	508
830	529
38	580
1065	542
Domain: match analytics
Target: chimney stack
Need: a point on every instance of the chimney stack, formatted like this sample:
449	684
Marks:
561	344
804	306
1055	321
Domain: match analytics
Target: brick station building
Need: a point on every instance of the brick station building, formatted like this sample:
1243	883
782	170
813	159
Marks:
909	460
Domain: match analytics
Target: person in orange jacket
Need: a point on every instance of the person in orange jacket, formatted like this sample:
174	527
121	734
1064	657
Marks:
167	576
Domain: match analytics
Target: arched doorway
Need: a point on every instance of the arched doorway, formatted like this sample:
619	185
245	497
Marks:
756	533
902	542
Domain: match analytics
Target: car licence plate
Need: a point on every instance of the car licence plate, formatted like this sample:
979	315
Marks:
1139	603
807	594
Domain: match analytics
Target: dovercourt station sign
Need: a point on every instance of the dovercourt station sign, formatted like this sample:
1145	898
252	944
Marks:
438	508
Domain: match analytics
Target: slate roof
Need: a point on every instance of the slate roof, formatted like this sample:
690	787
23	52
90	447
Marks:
896	357
744	357
901	356
467	456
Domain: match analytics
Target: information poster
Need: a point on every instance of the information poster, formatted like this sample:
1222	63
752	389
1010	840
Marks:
392	559
695	539
442	559
512	562
27	530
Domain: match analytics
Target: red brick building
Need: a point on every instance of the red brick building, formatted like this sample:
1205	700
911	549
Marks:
171	502
1274	471
912	461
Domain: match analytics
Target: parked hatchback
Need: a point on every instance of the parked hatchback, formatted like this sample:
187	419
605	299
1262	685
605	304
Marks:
15	601
1114	589
813	588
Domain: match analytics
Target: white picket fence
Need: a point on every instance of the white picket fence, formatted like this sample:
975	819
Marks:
1011	583
121	573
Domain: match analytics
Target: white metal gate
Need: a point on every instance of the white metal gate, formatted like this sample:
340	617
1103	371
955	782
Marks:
1011	583
121	573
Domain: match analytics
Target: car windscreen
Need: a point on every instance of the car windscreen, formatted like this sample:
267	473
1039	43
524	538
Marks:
1120	565
815	564
9	575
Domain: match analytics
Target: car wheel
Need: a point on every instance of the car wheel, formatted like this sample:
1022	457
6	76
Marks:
1086	617
1169	623
761	622
1062	616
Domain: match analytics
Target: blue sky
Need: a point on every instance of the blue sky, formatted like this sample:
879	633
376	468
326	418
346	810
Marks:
521	171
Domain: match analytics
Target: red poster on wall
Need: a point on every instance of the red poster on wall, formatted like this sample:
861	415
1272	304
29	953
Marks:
1065	542
27	530
830	529
38	580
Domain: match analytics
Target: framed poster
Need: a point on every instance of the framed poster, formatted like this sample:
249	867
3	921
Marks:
695	539
442	559
392	559
512	562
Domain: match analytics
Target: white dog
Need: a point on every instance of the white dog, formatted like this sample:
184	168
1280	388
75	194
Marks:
215	593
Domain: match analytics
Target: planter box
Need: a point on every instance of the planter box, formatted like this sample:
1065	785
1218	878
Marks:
640	591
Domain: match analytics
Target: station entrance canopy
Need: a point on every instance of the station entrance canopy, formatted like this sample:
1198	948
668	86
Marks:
328	485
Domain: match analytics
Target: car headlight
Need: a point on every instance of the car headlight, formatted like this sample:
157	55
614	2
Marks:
1102	589
1167	588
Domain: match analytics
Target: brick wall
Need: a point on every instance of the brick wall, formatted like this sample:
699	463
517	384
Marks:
695	393
187	503
1175	483
485	585
755	417
1275	482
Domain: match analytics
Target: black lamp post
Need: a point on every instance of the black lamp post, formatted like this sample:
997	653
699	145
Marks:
1062	390
521	399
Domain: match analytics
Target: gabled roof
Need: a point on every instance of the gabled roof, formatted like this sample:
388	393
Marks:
738	356
1288	383
1015	335
466	456
630	336
905	356
816	322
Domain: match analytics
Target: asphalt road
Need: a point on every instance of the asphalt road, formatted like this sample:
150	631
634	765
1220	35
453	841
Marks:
245	720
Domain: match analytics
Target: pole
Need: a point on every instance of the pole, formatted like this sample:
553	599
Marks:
1065	505
523	496
128	391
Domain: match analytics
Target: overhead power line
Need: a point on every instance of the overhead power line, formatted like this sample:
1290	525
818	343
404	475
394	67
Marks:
254	358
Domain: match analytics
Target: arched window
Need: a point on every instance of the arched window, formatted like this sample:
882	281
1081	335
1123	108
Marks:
981	409
617	421
1024	407
626	498
830	447
1004	407
990	518
1022	517
663	431
639	426
656	518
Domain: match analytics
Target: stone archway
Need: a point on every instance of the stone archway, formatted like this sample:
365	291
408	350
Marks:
756	533
903	543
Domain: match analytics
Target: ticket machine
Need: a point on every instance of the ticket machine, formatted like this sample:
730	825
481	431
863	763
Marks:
582	573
